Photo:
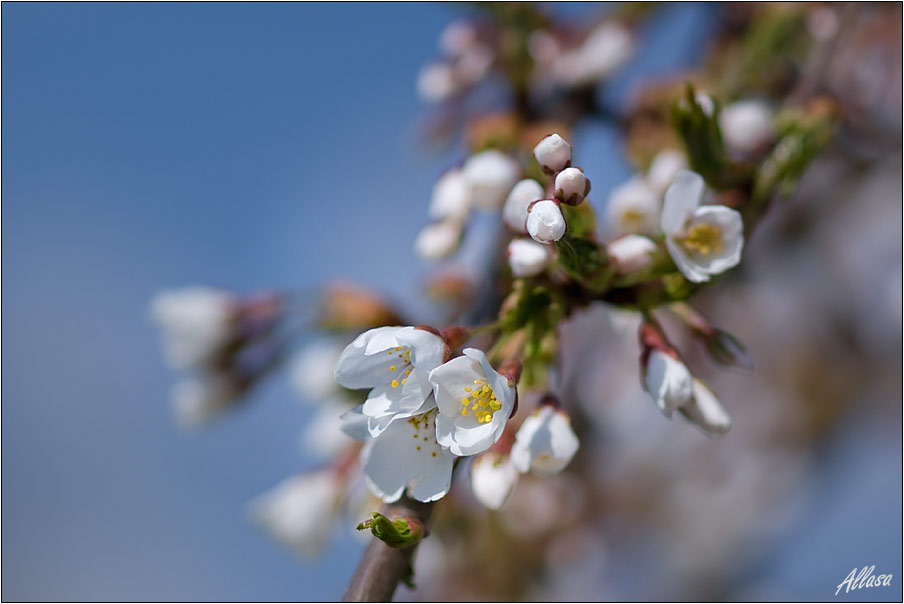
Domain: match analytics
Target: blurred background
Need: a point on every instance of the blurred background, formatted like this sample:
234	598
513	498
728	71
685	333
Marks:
278	146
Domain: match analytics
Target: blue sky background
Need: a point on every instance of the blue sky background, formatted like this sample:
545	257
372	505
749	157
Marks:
247	145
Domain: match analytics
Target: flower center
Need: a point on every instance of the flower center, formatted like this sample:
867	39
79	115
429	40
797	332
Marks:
633	219
399	369
481	401
705	239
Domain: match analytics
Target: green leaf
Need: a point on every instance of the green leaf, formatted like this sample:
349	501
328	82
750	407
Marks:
400	533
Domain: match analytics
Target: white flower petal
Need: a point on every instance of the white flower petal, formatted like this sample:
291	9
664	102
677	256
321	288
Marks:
491	174
354	423
527	257
706	411
663	169
514	212
427	349
731	226
545	222
545	443
631	253
438	239
493	478
633	207
681	200
668	382
451	196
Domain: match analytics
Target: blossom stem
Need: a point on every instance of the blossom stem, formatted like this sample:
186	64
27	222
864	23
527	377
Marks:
382	567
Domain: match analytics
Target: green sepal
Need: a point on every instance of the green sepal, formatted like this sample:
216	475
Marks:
400	533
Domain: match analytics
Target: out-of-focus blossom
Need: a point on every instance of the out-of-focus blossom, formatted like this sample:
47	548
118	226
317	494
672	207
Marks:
451	196
545	443
663	169
438	239
457	37
746	125
199	399
474	401
196	323
606	48
514	212
311	370
527	257
631	253
545	222
493	477
407	455
323	435
490	175
668	382
633	208
346	306
300	511
702	240
553	153
572	186
437	82
705	410
394	363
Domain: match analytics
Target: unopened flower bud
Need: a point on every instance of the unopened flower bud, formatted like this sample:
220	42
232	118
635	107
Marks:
527	257
545	222
438	240
572	186
455	336
400	533
746	125
545	442
668	382
493	477
514	212
706	411
727	350
553	153
631	254
491	175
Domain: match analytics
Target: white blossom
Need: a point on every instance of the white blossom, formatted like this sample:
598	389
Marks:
474	403
602	52
702	240
199	399
668	382
527	257
663	169
706	411
545	443
437	82
438	239
490	175
451	196
545	222
514	212
196	323
553	153
572	186
299	512
746	125
493	478
394	362
407	455
323	435
457	37
474	63
631	253
311	370
633	208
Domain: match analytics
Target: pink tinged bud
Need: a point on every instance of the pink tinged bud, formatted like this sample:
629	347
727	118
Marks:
514	212
545	222
527	258
511	370
455	336
572	186
631	254
553	153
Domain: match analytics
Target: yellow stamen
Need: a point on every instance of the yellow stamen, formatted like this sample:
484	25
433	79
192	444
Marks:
395	383
704	239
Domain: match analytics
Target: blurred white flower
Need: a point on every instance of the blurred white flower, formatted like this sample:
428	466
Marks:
545	222
702	240
394	362
545	442
705	411
606	48
633	208
196	323
514	212
311	370
663	169
490	175
553	153
474	403
631	253
407	455
474	63
437	82
323	434
451	196
198	399
572	186
438	239
668	382
706	102
493	477
527	257
300	511
746	125
457	37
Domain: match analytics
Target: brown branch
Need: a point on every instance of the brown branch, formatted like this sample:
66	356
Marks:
382	568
